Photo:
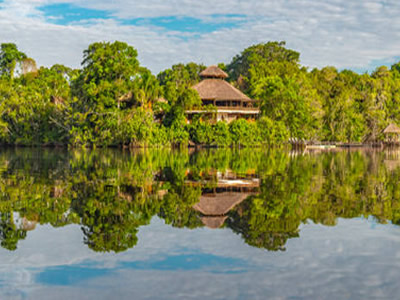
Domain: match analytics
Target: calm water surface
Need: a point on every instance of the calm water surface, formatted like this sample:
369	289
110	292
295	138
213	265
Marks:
218	224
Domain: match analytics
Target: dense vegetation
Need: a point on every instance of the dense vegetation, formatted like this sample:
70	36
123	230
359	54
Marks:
112	193
113	100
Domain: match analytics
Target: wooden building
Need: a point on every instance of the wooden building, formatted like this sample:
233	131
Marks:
230	103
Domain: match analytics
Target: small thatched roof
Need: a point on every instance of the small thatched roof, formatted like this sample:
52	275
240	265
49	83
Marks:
213	72
219	204
216	89
392	128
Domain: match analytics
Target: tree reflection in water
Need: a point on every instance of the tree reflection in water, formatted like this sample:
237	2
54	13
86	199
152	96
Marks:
264	196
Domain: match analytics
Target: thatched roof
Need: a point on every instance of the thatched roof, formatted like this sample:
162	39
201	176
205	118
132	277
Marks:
392	128
213	72
217	89
213	222
219	204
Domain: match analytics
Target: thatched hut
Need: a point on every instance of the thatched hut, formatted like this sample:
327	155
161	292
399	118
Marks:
392	133
230	102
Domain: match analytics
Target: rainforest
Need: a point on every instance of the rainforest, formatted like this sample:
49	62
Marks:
112	100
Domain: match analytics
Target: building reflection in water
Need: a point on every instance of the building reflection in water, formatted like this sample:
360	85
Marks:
229	191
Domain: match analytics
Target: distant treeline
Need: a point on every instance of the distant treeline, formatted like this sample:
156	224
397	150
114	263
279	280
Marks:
112	100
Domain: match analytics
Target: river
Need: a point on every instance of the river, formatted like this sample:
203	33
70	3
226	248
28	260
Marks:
214	224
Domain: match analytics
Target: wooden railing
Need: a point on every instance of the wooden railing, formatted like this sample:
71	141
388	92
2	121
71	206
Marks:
237	108
230	108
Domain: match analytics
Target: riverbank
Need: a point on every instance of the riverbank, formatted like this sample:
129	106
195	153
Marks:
193	145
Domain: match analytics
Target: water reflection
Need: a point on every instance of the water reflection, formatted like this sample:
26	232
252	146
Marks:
264	196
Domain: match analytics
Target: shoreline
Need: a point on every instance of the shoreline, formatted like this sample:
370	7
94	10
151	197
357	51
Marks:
191	145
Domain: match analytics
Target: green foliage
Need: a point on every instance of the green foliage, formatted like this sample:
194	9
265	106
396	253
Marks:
189	99
113	101
9	233
244	132
113	94
10	57
107	72
111	194
272	132
145	89
271	74
342	119
179	78
205	133
221	136
271	52
35	109
136	126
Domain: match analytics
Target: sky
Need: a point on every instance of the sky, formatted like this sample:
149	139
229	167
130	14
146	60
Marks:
347	34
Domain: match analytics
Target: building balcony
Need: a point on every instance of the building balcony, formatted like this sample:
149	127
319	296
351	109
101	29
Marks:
227	109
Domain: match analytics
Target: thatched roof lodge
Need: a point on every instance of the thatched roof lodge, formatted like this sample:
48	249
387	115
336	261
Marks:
230	102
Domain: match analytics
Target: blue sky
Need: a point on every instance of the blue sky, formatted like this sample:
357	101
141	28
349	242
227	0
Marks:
353	34
69	14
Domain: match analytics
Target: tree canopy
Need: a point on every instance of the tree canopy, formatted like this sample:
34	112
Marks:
114	101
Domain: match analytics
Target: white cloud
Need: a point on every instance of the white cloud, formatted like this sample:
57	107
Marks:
346	34
323	262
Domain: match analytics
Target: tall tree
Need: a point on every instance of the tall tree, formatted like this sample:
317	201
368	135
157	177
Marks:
266	53
105	83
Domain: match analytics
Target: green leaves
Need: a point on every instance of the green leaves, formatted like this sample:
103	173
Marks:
274	77
176	81
265	54
107	74
110	87
113	100
10	56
